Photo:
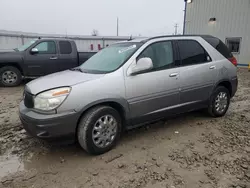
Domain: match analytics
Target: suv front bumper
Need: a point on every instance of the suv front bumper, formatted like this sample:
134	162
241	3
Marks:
48	126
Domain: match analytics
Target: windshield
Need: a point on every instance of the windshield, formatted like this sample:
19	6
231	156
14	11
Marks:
110	58
25	46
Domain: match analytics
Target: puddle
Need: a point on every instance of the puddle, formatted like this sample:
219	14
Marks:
10	164
70	156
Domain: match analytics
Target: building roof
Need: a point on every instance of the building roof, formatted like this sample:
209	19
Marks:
32	35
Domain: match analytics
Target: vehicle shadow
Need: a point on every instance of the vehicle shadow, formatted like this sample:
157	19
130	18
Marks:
165	127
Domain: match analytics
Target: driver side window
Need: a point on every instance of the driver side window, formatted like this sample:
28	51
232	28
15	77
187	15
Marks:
161	54
48	47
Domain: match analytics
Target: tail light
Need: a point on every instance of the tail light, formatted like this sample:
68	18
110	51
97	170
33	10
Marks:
233	60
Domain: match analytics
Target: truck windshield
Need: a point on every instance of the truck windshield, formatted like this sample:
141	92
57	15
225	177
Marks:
25	46
111	58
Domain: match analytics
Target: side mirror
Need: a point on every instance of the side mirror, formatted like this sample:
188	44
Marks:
142	65
34	51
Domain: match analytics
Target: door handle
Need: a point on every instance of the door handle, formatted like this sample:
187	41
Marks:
212	67
173	74
53	58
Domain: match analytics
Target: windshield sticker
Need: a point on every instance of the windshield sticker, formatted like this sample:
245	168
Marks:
126	49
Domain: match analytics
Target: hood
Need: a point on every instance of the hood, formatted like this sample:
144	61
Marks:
60	79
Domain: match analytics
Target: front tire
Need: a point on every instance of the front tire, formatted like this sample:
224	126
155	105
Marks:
10	76
219	102
99	130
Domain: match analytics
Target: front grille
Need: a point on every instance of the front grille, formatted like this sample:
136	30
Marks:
28	100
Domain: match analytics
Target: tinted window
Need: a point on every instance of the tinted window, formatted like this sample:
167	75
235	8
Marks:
65	47
161	54
48	47
219	46
191	52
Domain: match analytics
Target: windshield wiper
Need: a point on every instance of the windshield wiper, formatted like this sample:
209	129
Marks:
15	49
76	69
87	71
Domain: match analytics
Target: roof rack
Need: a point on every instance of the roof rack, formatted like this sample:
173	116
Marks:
164	36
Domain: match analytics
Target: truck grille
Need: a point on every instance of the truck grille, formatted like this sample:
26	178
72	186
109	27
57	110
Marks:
28	100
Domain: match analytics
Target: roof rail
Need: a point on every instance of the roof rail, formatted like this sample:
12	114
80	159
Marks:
164	36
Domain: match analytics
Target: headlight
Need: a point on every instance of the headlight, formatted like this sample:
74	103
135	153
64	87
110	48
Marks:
49	100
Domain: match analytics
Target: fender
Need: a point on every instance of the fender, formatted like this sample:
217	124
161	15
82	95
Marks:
219	82
120	101
12	58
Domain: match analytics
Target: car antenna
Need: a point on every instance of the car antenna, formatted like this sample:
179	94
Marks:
130	38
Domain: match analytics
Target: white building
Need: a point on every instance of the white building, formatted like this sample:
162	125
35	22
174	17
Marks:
228	20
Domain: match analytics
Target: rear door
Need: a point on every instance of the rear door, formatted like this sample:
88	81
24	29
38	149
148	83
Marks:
45	61
197	72
68	57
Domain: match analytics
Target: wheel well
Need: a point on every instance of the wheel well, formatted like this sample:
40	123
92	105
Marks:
227	85
12	65
114	105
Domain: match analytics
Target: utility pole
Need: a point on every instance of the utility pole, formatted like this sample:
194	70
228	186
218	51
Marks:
117	26
185	15
176	27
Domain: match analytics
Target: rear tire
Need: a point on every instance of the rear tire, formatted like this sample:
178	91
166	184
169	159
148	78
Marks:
10	76
219	102
94	131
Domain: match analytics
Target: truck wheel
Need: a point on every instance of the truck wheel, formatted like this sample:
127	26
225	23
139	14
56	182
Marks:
99	130
219	102
10	76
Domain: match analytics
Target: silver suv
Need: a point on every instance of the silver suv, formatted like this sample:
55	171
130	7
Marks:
129	84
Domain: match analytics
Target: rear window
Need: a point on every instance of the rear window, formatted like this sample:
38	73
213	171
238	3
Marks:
219	46
65	47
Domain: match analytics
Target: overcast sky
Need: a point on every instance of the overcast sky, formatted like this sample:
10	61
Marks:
80	17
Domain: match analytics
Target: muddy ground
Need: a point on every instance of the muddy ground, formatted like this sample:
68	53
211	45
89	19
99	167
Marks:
193	150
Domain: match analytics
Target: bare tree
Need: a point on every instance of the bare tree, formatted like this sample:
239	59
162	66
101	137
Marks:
95	32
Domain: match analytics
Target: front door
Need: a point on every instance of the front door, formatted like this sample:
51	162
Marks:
198	73
153	93
44	61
